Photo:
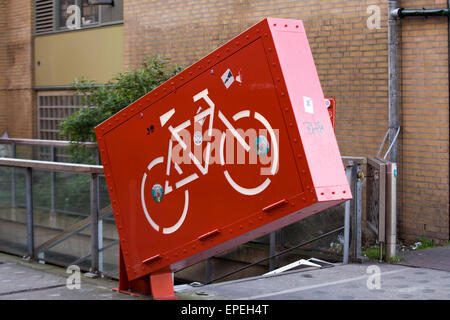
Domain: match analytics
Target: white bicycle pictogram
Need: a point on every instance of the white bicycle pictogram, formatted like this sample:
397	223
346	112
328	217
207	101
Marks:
262	146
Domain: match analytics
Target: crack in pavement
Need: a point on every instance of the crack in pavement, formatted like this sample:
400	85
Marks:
32	289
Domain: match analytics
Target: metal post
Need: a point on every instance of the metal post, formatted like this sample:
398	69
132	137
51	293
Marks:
100	245
208	270
52	181
94	224
30	222
391	217
348	171
97	161
13	177
358	211
272	250
393	77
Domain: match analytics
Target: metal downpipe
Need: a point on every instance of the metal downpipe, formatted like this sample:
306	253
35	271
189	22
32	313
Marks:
393	42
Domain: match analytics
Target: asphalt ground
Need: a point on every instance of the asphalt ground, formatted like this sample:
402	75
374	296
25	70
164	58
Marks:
422	275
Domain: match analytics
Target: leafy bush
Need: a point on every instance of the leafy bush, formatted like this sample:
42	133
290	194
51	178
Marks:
102	101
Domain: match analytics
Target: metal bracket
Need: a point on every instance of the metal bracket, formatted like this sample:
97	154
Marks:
392	143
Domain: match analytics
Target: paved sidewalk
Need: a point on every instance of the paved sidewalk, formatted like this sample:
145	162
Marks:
21	280
434	258
342	282
33	281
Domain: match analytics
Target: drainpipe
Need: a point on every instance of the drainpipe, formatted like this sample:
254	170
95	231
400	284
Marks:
393	78
391	218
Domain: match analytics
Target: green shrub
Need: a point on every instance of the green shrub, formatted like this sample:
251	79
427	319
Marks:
102	101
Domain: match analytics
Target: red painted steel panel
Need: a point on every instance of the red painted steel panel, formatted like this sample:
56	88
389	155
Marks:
330	103
235	146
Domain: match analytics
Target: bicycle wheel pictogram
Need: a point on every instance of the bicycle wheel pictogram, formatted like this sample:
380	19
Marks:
153	193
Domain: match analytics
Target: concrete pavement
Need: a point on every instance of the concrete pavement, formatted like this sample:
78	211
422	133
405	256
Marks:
21	280
369	281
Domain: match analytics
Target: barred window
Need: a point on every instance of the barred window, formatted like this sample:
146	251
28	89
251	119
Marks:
52	108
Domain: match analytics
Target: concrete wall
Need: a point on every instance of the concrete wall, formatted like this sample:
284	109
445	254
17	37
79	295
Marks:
96	54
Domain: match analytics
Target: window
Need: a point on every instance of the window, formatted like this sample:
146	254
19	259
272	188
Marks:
65	15
52	108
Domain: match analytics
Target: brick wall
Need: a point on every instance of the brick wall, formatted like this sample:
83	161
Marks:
17	111
352	61
425	122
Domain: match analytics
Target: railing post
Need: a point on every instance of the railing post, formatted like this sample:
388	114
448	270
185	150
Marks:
358	210
52	180
30	222
207	270
13	177
348	171
97	162
94	224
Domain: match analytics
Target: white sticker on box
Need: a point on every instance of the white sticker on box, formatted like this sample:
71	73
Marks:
227	78
309	106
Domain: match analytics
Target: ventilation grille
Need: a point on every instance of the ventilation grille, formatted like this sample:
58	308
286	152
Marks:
43	21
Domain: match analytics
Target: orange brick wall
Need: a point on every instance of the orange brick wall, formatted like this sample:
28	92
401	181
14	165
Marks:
425	122
17	111
352	61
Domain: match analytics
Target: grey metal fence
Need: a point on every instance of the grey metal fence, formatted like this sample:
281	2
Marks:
60	213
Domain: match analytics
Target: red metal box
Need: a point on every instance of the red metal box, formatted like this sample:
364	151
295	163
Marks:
236	146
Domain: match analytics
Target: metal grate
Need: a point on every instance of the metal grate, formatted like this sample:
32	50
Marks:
43	19
52	108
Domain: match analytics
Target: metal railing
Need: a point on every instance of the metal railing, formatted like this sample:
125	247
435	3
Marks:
94	220
351	224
